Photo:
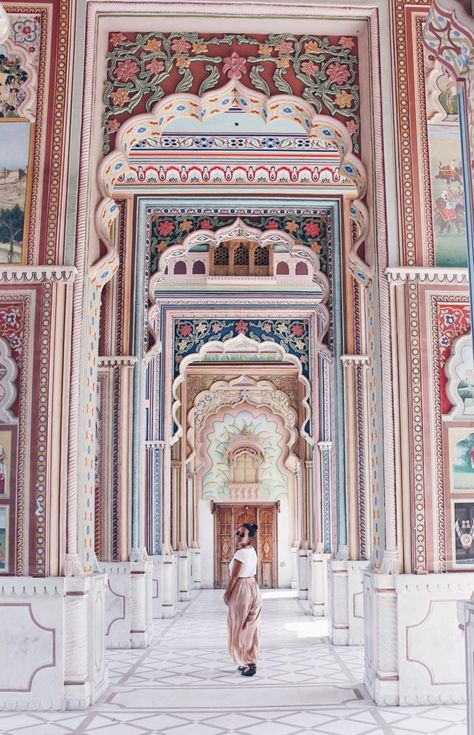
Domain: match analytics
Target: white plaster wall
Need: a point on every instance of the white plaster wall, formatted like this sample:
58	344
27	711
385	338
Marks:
284	550
206	543
414	647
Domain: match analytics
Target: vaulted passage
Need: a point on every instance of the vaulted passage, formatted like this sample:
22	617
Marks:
235	243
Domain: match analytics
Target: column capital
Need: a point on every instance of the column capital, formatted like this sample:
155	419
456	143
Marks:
324	446
106	361
355	361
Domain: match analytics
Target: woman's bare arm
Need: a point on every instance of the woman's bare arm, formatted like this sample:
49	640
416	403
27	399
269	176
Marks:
236	567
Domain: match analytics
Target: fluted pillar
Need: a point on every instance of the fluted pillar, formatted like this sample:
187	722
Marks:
354	463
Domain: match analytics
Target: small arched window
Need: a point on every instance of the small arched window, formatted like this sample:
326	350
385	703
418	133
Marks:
301	269
199	267
241	255
180	268
240	258
262	256
221	255
245	464
282	269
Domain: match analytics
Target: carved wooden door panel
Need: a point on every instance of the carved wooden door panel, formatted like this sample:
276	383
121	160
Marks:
267	546
224	543
227	519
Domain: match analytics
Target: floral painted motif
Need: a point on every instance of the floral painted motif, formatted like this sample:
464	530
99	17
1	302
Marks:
148	66
12	77
167	231
292	334
12	318
453	320
26	31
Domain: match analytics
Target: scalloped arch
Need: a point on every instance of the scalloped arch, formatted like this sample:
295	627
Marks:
235	230
241	344
180	106
8	392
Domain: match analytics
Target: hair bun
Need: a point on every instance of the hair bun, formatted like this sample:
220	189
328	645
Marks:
254	526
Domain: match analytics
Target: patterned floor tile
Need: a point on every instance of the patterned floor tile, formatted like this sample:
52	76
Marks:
185	684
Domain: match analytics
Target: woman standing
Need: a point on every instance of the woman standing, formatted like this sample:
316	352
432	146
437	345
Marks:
242	596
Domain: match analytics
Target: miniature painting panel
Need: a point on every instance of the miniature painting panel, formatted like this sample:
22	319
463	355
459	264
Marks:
464	532
15	137
6	463
461	459
447	193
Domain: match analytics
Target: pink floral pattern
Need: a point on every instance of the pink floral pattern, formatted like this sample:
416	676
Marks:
149	66
453	321
234	66
338	73
126	70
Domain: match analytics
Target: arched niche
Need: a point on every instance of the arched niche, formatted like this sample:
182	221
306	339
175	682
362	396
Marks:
302	260
285	466
252	351
8	392
348	176
459	371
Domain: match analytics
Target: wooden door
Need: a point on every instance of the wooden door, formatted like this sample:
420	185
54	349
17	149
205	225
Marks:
227	520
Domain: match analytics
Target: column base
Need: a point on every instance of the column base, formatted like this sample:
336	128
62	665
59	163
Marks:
318	587
184	574
128	604
466	618
414	649
346	602
303	573
195	568
52	636
294	567
165	585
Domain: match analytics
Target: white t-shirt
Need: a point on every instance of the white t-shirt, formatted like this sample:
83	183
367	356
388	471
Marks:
248	557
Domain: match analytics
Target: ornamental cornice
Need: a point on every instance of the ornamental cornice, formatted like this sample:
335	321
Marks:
427	275
155	444
354	360
37	273
324	446
117	361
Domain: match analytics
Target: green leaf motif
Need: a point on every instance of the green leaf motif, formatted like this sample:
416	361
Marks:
257	80
186	82
156	96
211	80
280	83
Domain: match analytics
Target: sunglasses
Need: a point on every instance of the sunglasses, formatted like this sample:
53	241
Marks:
240	534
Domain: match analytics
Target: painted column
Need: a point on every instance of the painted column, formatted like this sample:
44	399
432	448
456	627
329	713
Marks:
352	364
326	449
310	535
117	448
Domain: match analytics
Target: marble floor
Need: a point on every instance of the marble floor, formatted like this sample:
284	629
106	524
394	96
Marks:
185	684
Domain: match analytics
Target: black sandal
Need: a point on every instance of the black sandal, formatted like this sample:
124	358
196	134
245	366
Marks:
249	670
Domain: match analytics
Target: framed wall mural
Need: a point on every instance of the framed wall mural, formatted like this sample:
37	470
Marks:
449	212
7	462
460	442
463	516
16	140
4	540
